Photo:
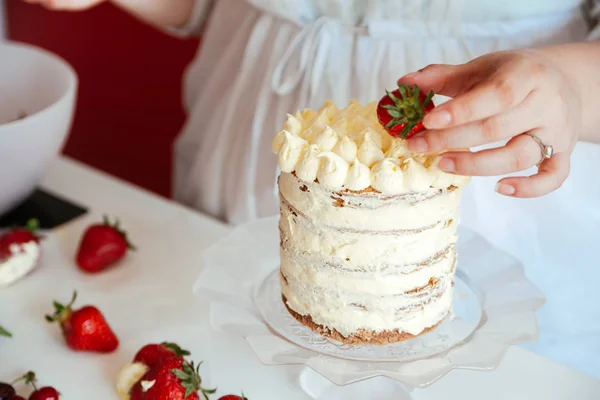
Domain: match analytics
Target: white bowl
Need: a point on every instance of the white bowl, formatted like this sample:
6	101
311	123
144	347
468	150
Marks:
42	86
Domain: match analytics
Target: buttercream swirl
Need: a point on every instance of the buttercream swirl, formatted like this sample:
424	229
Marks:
308	167
359	176
291	151
333	171
387	177
348	148
327	139
369	152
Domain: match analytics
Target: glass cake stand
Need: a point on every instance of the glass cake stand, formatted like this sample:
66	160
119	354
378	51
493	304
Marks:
493	308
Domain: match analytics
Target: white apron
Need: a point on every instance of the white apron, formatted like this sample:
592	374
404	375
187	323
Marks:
260	61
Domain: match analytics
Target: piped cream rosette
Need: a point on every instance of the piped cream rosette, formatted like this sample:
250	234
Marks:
348	149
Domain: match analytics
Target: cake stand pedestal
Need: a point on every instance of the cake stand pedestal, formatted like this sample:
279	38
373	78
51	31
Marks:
378	388
494	307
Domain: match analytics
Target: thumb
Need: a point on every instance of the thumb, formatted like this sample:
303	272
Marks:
444	79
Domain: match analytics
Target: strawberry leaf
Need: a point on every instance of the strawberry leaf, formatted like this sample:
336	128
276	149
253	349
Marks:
61	312
4	332
403	92
180	374
393	97
175	348
32	225
394	113
408	110
428	98
117	227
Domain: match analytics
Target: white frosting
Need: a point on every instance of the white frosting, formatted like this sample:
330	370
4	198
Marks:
369	152
308	167
327	139
384	213
346	148
23	260
367	228
443	179
416	176
372	284
398	150
291	151
333	171
387	177
349	315
359	176
364	251
293	125
354	132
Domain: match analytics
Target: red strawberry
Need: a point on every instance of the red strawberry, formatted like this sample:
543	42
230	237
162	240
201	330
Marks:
101	246
84	329
18	236
44	393
154	354
174	379
401	112
233	397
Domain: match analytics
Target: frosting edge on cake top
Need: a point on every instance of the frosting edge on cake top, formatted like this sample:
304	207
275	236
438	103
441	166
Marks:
348	148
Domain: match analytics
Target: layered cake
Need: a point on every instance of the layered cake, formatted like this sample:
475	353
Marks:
368	230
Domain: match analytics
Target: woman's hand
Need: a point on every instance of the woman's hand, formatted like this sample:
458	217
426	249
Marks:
74	5
499	96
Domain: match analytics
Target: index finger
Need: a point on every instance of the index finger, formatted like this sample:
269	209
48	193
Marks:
496	94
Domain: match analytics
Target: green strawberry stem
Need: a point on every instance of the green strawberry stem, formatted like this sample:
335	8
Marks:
4	332
407	110
62	312
32	225
191	381
29	379
116	226
175	348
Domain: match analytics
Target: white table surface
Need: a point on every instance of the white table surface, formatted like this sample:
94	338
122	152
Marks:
148	298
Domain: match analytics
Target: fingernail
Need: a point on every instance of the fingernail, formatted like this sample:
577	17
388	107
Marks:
505	189
407	77
446	164
417	145
437	120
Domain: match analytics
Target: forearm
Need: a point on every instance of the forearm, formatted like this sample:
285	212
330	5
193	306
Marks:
581	63
163	13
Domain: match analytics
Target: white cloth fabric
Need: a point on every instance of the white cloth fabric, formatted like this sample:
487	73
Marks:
262	60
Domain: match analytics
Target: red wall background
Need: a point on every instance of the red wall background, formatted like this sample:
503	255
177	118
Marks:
129	104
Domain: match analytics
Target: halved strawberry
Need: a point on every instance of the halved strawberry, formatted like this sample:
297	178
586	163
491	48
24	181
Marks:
401	112
18	236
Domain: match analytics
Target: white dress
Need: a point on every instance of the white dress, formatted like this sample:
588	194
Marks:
263	58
